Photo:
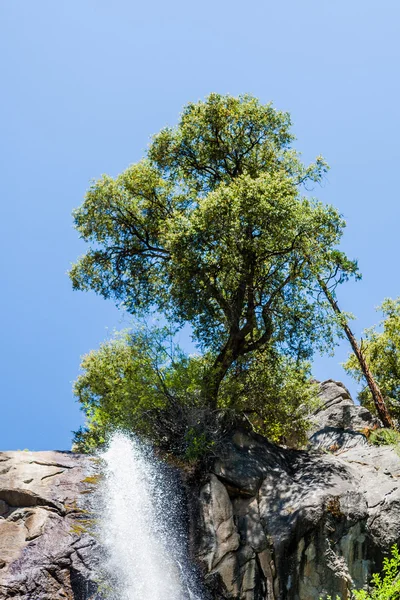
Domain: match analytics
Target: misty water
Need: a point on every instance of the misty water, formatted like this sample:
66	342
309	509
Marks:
141	527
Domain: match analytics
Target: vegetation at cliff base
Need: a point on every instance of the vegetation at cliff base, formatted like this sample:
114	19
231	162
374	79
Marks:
215	228
141	381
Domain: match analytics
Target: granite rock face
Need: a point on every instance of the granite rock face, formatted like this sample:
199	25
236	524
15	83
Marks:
45	552
267	522
279	524
339	411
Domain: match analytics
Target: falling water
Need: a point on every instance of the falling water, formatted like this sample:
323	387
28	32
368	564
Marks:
140	528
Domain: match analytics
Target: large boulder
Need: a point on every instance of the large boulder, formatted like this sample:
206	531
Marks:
338	409
339	422
46	550
280	524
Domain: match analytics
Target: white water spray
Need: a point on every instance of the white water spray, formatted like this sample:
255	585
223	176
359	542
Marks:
140	527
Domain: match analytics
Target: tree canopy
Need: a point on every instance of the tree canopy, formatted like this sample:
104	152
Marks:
211	228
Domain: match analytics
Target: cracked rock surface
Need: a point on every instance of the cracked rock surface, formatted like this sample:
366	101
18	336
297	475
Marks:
267	522
278	524
45	551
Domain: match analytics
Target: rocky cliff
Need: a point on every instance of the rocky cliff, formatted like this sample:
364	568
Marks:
266	522
274	523
45	553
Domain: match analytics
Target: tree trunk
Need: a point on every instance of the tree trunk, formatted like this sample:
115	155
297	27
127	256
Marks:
214	377
379	401
235	347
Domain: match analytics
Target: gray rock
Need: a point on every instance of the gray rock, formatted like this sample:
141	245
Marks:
267	523
220	536
307	523
332	438
339	411
45	551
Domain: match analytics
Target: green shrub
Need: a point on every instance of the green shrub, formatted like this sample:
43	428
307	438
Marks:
385	586
276	395
140	382
384	437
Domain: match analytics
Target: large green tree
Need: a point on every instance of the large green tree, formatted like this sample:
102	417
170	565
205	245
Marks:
211	228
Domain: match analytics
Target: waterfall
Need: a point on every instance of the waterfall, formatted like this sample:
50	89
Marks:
141	527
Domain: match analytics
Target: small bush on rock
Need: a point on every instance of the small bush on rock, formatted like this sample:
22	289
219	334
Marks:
385	586
384	437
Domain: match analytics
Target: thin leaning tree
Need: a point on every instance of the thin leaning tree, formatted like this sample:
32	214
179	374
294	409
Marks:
327	286
212	228
377	396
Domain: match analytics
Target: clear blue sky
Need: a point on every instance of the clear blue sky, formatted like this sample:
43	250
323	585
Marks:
84	83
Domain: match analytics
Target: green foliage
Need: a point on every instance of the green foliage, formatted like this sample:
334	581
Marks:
381	348
211	229
139	381
128	381
197	444
276	394
384	437
385	586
